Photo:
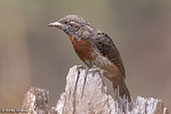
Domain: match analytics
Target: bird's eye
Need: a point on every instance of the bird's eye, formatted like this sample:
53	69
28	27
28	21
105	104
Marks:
66	22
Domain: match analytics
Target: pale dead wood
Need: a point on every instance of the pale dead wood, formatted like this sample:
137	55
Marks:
85	93
36	101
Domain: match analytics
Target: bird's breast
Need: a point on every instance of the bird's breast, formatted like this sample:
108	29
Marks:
88	54
83	49
91	56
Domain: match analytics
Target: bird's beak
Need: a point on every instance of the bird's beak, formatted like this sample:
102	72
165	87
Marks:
55	24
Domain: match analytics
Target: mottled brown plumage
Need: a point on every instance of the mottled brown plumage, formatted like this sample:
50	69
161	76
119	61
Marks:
107	48
95	48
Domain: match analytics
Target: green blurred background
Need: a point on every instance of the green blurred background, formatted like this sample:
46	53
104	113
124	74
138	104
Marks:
31	54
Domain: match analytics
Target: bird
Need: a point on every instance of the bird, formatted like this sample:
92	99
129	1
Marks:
95	48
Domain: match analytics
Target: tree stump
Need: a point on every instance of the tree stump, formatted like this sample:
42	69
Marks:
85	93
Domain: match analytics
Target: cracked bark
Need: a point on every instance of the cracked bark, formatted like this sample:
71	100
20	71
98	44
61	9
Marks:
85	93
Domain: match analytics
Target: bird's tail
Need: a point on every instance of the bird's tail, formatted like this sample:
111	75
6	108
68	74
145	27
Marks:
122	90
119	84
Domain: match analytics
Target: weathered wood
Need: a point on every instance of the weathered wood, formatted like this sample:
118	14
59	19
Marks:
36	101
85	93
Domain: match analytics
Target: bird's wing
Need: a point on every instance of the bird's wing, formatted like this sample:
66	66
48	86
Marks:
107	48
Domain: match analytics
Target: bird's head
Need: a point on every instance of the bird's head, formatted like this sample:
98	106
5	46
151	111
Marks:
73	25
